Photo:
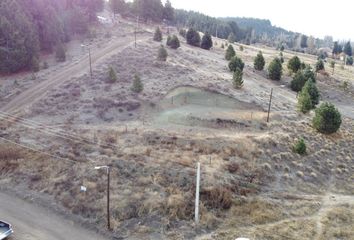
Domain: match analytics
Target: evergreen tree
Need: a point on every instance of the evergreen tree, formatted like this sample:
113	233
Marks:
149	9
309	73
237	79
275	69
207	42
304	101
298	81
183	32
294	64
173	42
300	147
60	54
349	61
157	35
112	75
236	63
327	119
193	37
319	65
337	48
311	88
222	46
137	84
162	54
231	38
303	42
348	49
259	62
168	11
281	57
118	6
230	52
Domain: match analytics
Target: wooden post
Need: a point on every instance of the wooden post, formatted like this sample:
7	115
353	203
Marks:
90	63
108	189
270	103
196	213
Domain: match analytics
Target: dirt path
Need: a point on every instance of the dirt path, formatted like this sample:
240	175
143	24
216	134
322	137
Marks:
35	93
31	222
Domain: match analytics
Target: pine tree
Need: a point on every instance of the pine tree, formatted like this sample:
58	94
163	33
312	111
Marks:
259	62
327	119
158	35
112	75
173	42
162	54
237	79
193	37
349	61
300	147
137	84
168	11
294	64
304	101
207	42
230	52
309	73
348	49
311	88
275	69
298	81
319	65
236	63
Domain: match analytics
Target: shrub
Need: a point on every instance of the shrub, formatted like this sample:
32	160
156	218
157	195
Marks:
193	37
230	52
112	75
241	48
259	62
300	147
319	65
282	48
304	103
327	119
294	64
173	42
162	54
298	81
349	61
309	73
237	79
236	63
60	53
207	42
158	35
137	84
275	69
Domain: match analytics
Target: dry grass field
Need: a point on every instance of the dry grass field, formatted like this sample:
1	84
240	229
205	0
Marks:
252	183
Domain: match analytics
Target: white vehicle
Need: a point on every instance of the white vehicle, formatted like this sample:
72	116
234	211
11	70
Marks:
5	230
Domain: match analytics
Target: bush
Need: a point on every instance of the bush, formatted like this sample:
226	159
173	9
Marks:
207	42
294	64
237	79
193	37
350	61
275	69
173	42
259	62
304	103
137	84
309	73
241	48
112	75
327	119
158	35
230	52
60	53
319	65
298	81
162	54
236	63
300	147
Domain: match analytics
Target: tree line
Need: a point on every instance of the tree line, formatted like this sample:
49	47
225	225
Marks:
30	26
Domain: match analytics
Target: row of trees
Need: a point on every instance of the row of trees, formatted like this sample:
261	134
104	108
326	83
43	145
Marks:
30	26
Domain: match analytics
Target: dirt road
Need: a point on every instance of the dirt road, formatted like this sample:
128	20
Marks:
31	222
34	93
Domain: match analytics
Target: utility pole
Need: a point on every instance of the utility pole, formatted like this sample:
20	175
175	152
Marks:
108	169
90	62
270	103
196	213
